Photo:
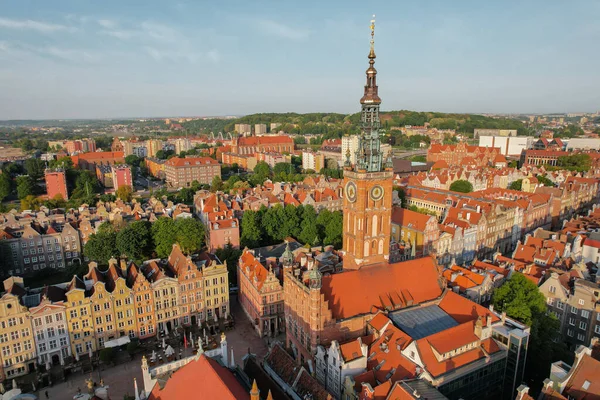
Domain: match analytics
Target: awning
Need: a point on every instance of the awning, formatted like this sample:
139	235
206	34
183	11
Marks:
117	342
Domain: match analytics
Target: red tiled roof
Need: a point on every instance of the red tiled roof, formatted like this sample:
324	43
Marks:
357	292
217	383
411	219
464	310
587	370
255	140
191	161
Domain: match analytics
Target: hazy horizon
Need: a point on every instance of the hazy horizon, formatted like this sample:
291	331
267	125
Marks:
73	59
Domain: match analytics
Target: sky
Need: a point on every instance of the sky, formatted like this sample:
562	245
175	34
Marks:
131	58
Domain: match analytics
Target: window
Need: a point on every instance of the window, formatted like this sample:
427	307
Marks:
78	348
581	302
585	314
73	313
63	341
572	321
573	310
570	332
580	337
42	347
582	325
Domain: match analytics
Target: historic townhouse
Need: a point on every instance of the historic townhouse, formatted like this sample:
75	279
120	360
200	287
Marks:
113	309
415	231
79	318
50	325
216	287
261	292
16	332
166	295
576	303
190	286
34	247
144	302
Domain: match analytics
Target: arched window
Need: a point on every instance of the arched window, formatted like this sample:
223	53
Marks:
380	246
374	226
366	249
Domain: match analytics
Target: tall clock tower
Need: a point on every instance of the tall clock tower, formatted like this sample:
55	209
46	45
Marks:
368	185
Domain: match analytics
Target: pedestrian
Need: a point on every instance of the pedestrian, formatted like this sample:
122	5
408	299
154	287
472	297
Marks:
47	395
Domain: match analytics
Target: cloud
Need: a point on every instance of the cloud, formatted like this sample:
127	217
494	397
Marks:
280	30
107	23
28	24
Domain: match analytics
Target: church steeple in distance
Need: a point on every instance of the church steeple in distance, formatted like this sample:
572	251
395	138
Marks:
368	154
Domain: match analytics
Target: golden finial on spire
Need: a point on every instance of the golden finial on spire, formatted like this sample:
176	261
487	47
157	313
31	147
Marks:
372	52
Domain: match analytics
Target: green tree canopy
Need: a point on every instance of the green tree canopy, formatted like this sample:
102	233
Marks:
102	246
575	162
308	227
545	181
521	299
5	186
462	186
216	184
133	160
163	234
135	240
25	186
251	229
125	193
189	234
516	185
34	168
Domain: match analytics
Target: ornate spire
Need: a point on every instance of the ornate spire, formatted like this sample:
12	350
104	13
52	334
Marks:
368	154
372	52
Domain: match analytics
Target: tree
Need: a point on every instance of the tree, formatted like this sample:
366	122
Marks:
102	246
133	160
516	185
25	186
135	240
545	181
63	162
57	201
5	185
251	229
34	168
189	234
521	299
107	355
125	193
163	235
86	186
216	184
308	227
329	225
513	164
185	195
401	196
575	162
30	202
462	186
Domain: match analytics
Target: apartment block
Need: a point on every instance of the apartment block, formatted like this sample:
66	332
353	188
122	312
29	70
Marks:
181	172
313	161
260	129
56	183
121	176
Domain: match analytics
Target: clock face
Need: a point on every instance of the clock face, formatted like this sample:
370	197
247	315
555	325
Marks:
376	193
351	191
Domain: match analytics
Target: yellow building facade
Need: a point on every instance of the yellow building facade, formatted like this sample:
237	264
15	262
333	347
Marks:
79	318
17	345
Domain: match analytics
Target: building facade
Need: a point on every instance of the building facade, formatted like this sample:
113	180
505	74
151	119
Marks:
181	172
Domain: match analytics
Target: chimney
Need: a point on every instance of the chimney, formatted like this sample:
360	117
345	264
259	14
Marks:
503	318
522	391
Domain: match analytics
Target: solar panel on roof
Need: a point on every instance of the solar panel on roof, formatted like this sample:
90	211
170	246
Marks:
422	321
